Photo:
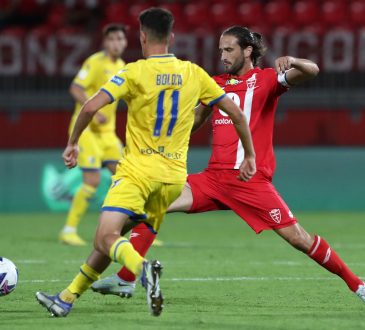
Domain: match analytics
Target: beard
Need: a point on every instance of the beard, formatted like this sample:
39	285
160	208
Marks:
235	67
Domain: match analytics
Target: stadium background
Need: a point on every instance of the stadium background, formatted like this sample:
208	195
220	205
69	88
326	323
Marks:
320	126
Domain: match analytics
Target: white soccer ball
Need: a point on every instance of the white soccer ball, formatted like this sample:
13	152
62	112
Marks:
8	276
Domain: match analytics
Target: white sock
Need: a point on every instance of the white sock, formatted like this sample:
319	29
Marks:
68	230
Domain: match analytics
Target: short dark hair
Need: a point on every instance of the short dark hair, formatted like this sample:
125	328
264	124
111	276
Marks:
158	22
114	27
247	38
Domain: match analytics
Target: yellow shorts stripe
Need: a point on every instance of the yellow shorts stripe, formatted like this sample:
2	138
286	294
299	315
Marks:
131	214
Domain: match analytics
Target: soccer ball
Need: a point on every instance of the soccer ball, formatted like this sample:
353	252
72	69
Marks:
8	276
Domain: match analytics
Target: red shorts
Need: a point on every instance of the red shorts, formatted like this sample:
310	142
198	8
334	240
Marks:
257	202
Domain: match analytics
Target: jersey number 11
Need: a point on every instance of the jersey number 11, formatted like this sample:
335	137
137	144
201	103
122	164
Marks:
160	113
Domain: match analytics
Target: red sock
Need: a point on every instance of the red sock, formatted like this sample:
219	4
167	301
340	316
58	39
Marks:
141	238
322	253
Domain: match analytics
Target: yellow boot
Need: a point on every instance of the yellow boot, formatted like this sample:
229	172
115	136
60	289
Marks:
71	239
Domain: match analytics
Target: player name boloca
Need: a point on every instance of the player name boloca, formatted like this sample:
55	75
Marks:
169	79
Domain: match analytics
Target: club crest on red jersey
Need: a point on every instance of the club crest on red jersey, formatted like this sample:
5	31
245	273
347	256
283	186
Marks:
275	214
251	82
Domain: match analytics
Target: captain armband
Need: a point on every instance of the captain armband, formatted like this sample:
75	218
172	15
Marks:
282	79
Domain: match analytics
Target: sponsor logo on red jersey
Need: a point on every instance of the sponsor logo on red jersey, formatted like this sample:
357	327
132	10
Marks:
233	82
223	121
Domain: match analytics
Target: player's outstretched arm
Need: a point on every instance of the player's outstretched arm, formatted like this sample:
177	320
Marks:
248	166
202	113
297	70
87	112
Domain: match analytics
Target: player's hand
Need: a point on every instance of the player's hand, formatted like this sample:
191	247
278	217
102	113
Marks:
100	118
70	155
247	169
284	63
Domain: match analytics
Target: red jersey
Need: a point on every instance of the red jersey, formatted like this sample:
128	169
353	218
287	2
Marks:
256	93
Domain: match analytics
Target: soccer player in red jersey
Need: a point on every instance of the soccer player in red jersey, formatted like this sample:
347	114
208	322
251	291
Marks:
257	92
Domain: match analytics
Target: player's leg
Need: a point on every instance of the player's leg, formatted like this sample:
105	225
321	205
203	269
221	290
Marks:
122	251
156	206
181	204
110	226
184	202
142	237
96	263
136	193
321	252
123	283
108	240
60	305
89	161
79	206
296	236
109	245
259	204
139	233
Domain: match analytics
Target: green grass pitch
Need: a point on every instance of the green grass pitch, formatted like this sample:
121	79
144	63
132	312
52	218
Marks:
218	274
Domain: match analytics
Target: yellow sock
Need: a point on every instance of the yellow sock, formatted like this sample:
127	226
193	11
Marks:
79	205
122	251
67	296
80	283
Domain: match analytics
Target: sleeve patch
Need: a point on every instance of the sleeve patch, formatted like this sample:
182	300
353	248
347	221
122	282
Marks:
82	74
117	80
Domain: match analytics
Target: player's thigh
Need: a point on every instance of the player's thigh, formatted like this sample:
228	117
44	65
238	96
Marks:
128	195
112	149
259	204
89	152
159	200
184	202
204	188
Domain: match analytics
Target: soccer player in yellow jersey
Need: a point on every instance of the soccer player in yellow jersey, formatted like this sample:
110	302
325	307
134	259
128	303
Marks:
161	92
98	145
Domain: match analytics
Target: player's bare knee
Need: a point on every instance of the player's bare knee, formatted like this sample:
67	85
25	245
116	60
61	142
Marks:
94	182
92	179
99	241
97	245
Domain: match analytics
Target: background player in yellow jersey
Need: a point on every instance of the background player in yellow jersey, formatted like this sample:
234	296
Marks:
98	145
161	92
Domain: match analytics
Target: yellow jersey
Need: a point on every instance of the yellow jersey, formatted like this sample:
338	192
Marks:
95	72
161	93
